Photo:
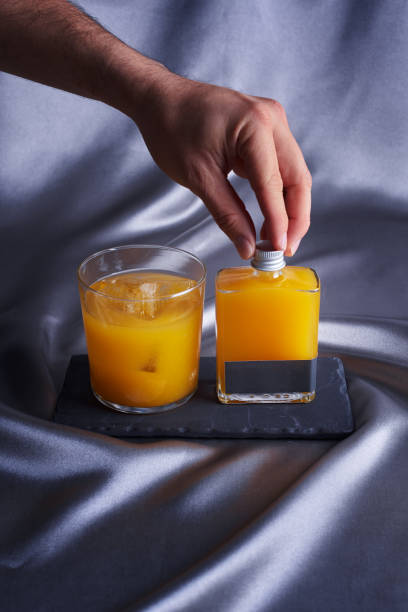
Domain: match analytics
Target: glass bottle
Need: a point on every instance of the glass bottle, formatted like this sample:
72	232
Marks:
267	319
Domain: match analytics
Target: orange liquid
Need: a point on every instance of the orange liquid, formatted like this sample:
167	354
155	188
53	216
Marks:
143	342
266	315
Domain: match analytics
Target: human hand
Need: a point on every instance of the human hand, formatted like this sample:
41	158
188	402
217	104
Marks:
198	133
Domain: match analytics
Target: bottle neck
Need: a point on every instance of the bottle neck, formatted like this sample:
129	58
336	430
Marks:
268	275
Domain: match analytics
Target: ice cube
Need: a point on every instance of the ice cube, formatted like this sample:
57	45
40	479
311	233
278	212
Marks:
148	307
149	290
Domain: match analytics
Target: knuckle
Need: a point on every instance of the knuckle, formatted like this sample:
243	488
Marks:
278	109
260	112
227	221
273	182
276	218
302	224
266	112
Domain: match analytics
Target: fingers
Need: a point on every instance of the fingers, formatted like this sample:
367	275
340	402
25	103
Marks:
297	183
298	202
229	212
257	151
277	171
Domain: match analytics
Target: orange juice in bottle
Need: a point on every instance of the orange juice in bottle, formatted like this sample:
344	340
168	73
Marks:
267	322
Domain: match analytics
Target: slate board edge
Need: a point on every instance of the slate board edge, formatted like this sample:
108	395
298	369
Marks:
277	434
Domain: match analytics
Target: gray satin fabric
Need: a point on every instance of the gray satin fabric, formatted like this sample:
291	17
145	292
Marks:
92	523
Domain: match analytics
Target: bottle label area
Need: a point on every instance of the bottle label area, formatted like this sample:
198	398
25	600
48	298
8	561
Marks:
270	376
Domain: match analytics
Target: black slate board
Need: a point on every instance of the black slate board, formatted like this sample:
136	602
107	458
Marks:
328	416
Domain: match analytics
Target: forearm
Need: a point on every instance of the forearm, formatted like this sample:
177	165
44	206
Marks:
55	43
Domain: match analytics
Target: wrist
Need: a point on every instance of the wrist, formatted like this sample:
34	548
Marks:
135	82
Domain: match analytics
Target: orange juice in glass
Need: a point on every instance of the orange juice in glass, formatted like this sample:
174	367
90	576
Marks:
142	310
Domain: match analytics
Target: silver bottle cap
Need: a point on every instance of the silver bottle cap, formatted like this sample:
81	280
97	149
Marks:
266	258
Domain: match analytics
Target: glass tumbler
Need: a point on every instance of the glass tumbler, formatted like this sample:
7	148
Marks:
142	308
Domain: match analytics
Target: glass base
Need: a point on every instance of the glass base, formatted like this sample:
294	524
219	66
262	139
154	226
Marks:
143	409
266	398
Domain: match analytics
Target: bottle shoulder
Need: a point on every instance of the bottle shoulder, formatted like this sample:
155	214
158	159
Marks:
246	278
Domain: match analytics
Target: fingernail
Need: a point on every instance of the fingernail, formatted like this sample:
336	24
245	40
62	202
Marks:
293	248
283	242
245	248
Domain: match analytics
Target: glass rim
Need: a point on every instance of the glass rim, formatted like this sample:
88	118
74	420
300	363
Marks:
198	283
